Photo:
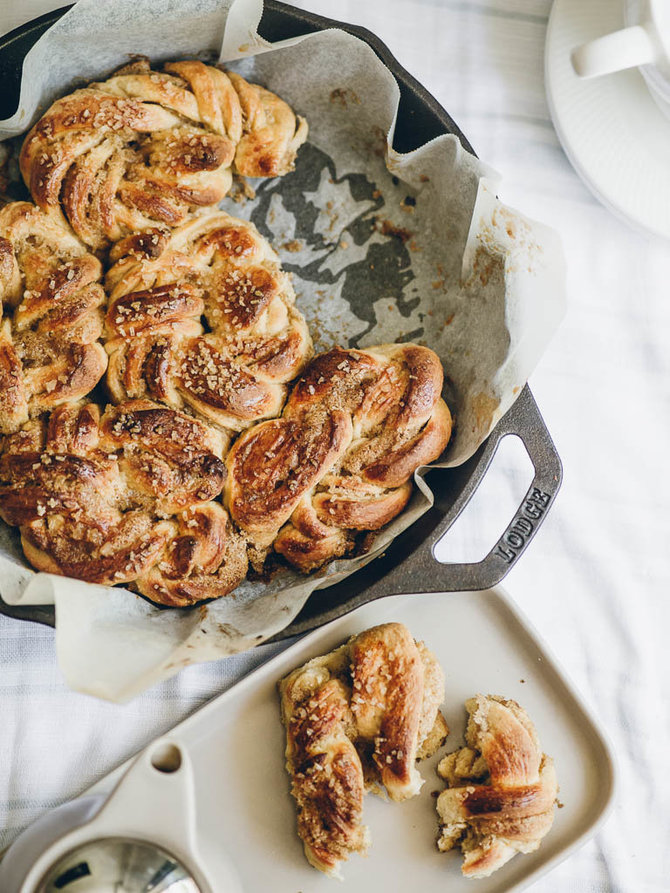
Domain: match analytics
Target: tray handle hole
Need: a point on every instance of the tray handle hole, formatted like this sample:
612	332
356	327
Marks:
166	757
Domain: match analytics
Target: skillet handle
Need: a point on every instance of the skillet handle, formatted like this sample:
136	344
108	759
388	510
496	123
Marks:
410	566
523	419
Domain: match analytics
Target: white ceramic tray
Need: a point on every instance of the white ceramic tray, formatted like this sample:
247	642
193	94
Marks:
237	746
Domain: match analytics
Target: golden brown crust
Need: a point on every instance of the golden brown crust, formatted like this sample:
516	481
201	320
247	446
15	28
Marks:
354	429
205	559
123	498
168	457
327	778
51	298
147	147
217	270
261	494
502	788
303	480
354	719
388	680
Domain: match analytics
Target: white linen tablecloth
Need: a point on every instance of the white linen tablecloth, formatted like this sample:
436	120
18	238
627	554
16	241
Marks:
595	580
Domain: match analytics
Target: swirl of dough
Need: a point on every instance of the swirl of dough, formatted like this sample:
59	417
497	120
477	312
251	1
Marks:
213	272
339	461
52	301
502	788
125	497
358	718
148	147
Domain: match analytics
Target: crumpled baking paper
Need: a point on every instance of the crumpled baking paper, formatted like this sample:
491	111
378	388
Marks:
382	247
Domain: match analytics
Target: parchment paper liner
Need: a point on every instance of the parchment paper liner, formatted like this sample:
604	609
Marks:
383	247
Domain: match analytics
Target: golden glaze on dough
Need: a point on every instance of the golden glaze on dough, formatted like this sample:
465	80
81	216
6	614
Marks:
339	460
357	718
502	788
216	270
125	497
52	305
148	147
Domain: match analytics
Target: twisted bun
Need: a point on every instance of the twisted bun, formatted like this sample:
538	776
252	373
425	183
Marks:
123	498
217	269
147	147
502	788
356	718
356	426
52	301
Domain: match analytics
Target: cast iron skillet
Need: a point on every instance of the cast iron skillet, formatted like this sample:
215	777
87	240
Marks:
410	564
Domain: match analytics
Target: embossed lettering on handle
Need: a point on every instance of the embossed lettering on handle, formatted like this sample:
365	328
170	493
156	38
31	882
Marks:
523	525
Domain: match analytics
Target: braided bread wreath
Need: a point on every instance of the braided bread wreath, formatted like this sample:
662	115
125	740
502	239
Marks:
212	455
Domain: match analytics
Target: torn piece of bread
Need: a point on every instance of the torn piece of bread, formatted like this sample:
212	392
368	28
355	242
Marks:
501	788
357	719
